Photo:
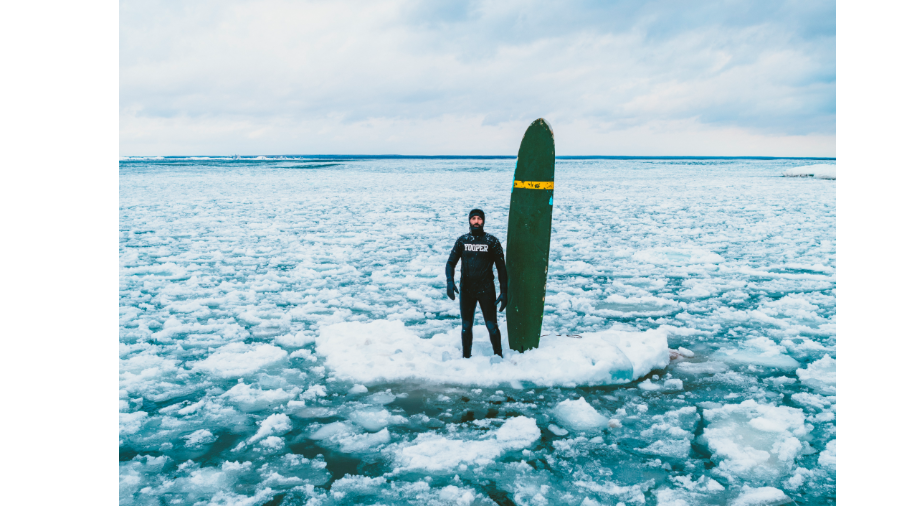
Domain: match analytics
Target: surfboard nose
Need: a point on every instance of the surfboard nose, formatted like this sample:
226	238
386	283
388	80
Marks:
544	122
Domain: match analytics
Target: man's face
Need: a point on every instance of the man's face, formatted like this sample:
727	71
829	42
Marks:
476	221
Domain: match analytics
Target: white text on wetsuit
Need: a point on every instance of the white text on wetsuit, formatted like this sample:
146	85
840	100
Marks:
476	247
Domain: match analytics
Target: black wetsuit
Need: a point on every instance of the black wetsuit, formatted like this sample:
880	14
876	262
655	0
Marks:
479	252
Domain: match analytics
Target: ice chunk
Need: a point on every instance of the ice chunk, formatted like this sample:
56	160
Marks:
239	359
431	452
129	423
578	415
347	438
517	432
228	498
677	448
374	421
648	385
703	483
304	354
199	438
758	351
754	441
272	443
253	399
358	389
559	431
819	170
811	400
828	457
277	425
330	430
314	391
354	443
673	384
385	397
672	432
385	351
685	352
315	412
295	340
820	375
762	496
702	367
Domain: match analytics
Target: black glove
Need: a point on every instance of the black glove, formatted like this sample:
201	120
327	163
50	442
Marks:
451	287
502	301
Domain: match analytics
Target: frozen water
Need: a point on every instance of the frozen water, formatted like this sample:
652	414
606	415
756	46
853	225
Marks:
385	351
285	337
819	170
754	441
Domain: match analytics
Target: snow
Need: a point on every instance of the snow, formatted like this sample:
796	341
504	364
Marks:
234	275
384	351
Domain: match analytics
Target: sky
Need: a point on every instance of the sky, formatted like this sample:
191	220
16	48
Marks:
615	78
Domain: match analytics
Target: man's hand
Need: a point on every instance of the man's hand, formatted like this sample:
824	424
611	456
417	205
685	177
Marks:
502	301
451	287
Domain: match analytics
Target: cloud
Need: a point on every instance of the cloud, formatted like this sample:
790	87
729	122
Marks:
467	77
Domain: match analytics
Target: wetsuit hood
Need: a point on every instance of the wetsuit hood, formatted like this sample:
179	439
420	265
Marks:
476	230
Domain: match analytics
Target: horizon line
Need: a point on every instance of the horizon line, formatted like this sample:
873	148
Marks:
476	157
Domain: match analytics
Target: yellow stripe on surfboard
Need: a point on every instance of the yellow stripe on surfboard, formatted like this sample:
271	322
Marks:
533	185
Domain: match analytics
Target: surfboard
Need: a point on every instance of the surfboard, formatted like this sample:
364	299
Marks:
528	236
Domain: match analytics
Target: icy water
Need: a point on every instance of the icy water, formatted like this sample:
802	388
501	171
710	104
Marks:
285	336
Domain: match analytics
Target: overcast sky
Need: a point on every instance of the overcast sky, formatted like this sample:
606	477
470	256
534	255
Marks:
454	77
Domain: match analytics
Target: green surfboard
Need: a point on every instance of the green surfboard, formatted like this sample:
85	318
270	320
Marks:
528	236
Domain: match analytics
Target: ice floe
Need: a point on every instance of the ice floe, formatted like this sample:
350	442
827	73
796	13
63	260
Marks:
435	453
386	351
754	441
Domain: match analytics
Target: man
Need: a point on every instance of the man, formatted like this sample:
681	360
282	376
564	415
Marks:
479	252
